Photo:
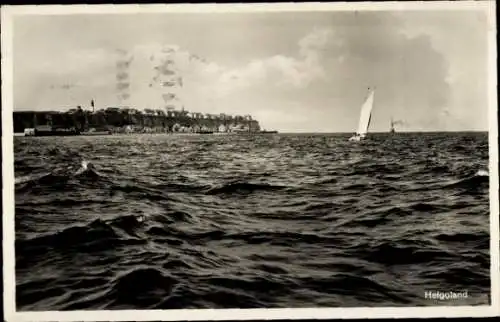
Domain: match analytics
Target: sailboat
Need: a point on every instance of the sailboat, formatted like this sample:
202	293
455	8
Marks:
365	117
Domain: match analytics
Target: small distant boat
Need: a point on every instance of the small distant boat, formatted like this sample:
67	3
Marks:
268	132
364	118
392	126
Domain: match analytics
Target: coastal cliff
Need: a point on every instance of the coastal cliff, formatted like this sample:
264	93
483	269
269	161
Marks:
124	119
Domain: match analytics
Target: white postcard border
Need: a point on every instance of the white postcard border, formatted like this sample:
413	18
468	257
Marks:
8	12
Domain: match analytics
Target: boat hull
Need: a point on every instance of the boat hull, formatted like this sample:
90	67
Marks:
356	138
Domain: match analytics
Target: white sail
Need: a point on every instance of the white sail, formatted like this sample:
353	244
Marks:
366	112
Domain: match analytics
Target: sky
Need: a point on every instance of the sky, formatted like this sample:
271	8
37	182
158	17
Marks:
292	71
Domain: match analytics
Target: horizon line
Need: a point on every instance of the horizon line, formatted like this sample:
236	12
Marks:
387	132
384	132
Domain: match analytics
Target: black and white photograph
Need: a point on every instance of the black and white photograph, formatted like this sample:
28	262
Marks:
302	160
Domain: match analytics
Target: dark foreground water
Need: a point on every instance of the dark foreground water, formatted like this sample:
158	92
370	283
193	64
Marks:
167	221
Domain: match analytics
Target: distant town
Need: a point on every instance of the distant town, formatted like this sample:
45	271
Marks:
170	118
129	120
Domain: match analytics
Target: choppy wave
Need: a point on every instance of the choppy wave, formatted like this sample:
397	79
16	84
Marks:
250	222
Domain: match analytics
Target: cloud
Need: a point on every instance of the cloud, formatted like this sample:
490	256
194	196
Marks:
220	80
209	81
280	70
312	73
331	70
